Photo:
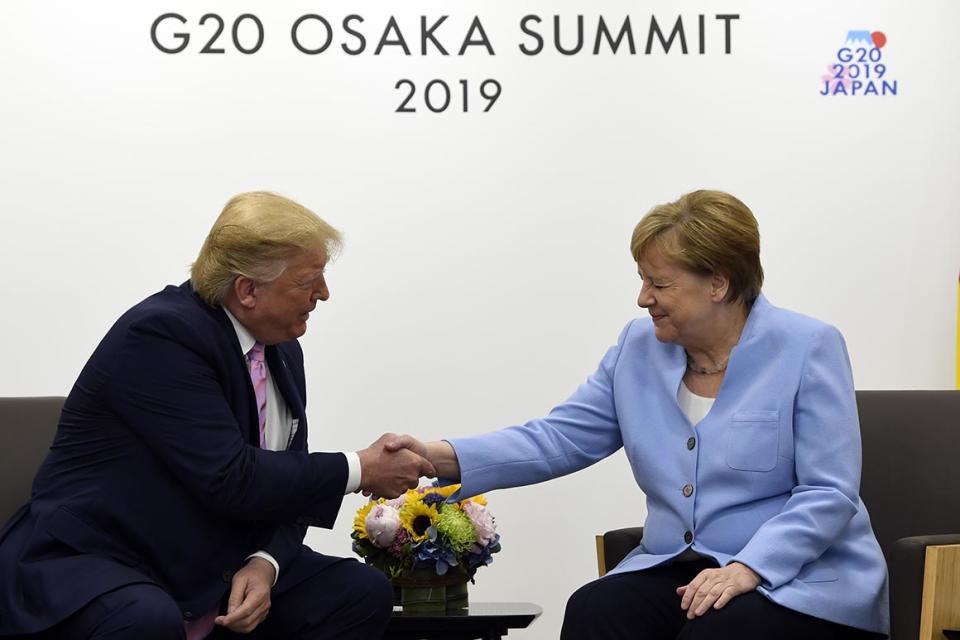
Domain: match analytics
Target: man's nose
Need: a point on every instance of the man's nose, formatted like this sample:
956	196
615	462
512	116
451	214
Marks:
323	293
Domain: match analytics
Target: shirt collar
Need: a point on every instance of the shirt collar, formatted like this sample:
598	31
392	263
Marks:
245	338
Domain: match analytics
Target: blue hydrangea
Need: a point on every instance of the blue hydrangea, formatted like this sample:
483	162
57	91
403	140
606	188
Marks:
433	550
433	498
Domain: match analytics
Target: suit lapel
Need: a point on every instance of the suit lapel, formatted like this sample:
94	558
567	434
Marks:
671	374
250	428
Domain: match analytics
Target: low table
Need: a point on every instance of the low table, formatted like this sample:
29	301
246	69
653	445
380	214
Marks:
483	620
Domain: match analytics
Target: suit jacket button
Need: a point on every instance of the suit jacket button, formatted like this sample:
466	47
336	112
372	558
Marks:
688	537
187	615
227	576
691	442
687	490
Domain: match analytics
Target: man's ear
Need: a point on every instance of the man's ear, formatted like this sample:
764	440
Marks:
719	285
245	290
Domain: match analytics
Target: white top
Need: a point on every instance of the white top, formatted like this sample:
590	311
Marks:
693	406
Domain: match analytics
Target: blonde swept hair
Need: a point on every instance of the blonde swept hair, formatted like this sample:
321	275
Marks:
706	232
255	235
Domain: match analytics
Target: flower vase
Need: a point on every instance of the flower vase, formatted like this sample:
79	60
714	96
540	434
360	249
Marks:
423	591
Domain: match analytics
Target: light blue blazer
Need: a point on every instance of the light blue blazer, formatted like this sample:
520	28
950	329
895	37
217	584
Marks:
775	467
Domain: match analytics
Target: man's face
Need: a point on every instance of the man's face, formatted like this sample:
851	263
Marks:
281	307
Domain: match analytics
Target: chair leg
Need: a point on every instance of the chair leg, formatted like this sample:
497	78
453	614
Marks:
601	557
941	591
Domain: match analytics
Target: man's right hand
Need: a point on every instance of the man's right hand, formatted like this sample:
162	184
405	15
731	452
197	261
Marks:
440	453
386	473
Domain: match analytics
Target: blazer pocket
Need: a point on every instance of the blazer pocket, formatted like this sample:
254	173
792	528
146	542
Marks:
753	441
72	530
811	573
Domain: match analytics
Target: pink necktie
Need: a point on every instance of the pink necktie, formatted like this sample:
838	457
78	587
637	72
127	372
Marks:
258	376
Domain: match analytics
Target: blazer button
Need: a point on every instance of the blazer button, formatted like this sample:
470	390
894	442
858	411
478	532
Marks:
688	537
687	490
691	442
187	615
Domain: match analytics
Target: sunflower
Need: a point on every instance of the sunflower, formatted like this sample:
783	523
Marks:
359	522
410	496
417	517
446	491
478	499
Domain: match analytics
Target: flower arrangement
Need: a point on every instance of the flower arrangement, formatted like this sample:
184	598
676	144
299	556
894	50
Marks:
421	529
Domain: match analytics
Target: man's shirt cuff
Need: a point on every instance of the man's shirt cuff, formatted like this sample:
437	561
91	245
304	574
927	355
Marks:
353	472
269	558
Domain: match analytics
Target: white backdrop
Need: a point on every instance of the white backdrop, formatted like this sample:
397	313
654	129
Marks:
486	266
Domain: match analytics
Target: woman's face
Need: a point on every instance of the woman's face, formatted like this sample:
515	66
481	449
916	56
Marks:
680	302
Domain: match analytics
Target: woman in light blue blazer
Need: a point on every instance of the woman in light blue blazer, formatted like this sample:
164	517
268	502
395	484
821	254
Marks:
740	423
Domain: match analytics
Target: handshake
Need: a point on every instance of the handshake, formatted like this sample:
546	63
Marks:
393	464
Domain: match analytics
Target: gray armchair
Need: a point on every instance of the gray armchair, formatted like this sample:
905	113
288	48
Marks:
911	486
27	426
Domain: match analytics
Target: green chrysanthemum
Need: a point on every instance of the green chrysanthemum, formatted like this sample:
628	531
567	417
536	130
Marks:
455	527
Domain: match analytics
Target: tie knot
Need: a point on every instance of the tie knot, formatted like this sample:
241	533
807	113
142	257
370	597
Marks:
256	352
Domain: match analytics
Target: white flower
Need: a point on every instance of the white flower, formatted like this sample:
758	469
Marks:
382	523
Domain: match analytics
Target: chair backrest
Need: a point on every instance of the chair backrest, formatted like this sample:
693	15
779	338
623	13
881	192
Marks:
27	426
911	462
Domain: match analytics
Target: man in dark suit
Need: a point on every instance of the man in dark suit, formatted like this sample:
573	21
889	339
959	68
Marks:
175	497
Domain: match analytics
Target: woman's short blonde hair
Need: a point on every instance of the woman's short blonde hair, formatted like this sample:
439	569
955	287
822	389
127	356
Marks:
706	232
256	234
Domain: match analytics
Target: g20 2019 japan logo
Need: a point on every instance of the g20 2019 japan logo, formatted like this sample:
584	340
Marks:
860	68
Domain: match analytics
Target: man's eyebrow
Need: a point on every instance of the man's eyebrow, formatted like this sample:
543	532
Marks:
308	277
316	275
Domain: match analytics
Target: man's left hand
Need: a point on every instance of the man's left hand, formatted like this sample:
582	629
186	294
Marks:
716	587
249	600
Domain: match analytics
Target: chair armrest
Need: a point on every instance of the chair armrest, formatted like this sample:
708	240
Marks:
941	590
613	547
906	560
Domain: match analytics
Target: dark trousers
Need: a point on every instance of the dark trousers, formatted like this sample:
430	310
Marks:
344	601
644	605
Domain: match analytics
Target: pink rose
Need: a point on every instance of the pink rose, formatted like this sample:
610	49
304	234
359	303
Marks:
397	502
482	522
382	523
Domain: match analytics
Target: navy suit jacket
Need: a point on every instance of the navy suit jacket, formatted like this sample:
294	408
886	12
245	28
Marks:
155	474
